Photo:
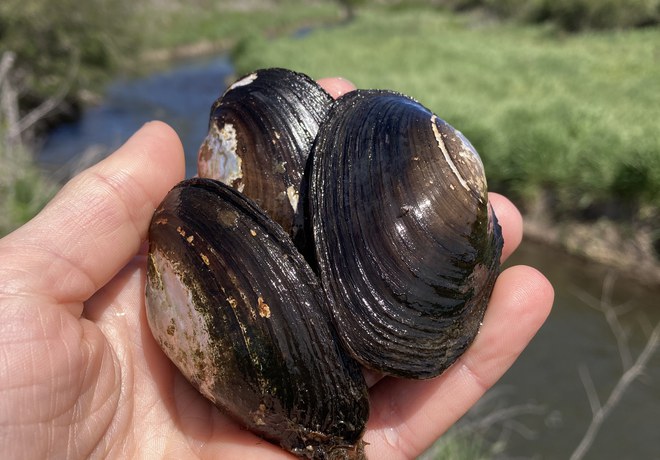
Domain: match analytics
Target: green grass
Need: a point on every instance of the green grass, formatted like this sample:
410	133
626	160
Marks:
457	447
573	115
222	21
24	190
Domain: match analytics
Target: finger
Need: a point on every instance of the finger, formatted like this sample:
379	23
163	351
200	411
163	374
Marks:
408	416
336	86
96	223
511	221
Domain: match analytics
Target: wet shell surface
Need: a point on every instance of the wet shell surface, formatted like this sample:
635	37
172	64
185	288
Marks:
389	205
407	246
260	134
238	310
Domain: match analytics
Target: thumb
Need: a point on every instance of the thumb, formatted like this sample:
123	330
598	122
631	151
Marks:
95	224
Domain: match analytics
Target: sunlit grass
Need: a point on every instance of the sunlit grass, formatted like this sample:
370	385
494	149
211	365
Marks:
24	189
225	21
573	114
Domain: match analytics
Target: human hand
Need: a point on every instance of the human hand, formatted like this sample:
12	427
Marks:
81	375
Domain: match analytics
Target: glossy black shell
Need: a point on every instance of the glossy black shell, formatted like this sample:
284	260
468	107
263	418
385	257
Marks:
237	309
407	245
399	230
260	133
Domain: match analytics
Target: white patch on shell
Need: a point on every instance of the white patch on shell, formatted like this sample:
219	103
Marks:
422	209
293	196
445	153
469	154
244	81
178	327
468	158
224	163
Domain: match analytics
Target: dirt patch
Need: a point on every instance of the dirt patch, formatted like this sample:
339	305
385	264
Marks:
628	250
201	48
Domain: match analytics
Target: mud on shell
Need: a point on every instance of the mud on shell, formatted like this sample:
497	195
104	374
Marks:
237	309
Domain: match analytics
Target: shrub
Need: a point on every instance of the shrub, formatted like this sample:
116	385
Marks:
65	44
571	15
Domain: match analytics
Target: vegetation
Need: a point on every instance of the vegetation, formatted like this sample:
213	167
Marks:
571	15
570	117
65	46
77	47
226	23
50	54
23	194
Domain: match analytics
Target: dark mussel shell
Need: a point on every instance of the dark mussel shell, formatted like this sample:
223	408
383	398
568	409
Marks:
260	133
241	314
407	245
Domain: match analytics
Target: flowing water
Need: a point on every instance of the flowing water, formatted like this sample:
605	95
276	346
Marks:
181	96
545	383
577	340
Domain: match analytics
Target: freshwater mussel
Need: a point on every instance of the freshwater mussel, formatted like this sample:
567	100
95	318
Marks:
407	246
389	206
248	327
260	133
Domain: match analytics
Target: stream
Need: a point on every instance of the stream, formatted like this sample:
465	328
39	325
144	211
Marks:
181	96
540	408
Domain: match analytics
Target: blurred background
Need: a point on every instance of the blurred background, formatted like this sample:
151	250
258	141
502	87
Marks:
560	97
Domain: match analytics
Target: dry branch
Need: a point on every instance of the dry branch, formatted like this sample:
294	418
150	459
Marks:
632	370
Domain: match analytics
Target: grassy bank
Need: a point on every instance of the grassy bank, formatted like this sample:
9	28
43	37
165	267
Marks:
574	115
565	123
225	23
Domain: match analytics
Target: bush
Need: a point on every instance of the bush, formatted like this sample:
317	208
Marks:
571	15
65	44
24	190
601	14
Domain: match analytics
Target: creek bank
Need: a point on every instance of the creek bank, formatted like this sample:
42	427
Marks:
197	49
629	251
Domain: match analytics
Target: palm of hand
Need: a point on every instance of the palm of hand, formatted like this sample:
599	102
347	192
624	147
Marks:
82	375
